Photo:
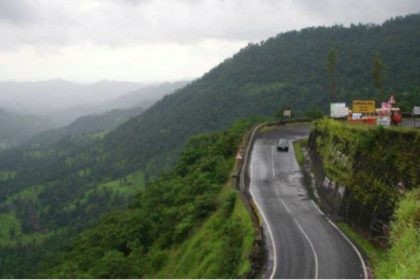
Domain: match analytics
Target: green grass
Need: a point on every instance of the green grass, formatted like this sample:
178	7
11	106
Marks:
374	253
128	185
364	126
297	145
204	253
403	258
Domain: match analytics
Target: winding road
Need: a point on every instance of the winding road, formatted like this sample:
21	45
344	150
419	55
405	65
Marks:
301	242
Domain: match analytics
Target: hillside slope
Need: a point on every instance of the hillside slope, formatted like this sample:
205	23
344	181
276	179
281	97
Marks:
288	70
16	128
191	214
87	124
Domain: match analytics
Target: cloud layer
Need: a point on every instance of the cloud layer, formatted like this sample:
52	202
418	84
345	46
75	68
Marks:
42	29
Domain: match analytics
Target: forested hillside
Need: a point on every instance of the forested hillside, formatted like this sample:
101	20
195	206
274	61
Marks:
190	211
50	193
87	124
16	128
287	70
187	224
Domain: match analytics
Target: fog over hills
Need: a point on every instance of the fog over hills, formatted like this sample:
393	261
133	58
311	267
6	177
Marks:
27	108
146	95
65	101
15	128
45	97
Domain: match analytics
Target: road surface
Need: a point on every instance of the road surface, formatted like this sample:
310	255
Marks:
300	241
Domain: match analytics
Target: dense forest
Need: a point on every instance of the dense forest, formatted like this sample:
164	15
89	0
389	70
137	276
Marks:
287	70
85	125
190	202
52	190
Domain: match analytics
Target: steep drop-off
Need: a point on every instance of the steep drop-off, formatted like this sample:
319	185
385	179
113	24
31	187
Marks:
190	223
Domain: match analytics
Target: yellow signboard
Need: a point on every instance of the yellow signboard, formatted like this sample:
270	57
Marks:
364	106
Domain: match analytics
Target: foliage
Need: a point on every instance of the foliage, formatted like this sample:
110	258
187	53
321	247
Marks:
287	70
170	218
371	162
314	113
297	146
51	194
376	165
403	258
375	253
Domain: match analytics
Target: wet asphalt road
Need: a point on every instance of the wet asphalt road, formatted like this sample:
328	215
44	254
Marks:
301	242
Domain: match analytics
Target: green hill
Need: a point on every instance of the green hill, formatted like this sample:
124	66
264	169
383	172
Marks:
87	124
50	194
16	128
191	214
287	70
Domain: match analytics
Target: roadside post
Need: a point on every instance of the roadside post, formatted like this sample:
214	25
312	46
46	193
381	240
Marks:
288	114
416	112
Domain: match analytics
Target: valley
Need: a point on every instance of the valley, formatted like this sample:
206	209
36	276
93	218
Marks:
140	181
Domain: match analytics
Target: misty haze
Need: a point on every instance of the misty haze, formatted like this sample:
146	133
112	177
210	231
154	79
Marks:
209	139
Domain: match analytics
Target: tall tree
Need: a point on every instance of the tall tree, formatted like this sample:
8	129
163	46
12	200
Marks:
332	60
378	76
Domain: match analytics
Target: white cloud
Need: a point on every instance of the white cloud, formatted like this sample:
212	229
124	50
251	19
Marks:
42	34
146	62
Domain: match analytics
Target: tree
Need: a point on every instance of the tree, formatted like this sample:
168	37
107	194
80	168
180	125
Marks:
332	60
378	76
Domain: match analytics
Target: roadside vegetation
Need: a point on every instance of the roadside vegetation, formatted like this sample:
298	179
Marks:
298	147
403	257
189	223
375	253
379	168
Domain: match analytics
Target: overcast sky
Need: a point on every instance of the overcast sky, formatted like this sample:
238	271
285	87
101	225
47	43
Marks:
156	40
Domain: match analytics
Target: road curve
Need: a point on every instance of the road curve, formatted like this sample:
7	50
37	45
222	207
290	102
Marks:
301	242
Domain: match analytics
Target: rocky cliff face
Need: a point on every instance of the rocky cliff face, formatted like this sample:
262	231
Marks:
361	172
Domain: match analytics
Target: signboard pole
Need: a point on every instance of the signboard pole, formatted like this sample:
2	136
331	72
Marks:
416	111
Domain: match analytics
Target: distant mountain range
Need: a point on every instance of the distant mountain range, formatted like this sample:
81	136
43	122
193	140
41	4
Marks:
287	70
144	97
15	128
65	101
86	124
52	193
56	95
39	106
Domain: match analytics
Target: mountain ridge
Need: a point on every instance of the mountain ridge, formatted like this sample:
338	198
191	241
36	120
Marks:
287	70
